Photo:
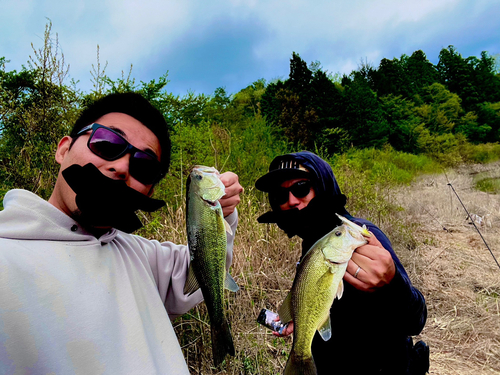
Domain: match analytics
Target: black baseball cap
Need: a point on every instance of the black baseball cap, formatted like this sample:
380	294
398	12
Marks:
282	168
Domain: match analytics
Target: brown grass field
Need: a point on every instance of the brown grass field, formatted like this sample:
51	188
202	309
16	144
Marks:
455	271
442	251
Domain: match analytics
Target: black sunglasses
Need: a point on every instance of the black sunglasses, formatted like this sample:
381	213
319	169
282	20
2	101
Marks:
109	145
299	189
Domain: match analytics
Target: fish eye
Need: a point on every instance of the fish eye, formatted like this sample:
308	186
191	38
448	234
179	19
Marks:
199	177
338	233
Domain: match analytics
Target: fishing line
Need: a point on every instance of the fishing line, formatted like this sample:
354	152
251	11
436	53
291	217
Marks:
473	223
431	215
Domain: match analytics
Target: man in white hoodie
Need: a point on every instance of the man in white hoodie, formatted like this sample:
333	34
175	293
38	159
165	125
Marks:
78	293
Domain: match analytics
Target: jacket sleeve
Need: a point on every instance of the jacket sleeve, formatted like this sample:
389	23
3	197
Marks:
403	301
170	264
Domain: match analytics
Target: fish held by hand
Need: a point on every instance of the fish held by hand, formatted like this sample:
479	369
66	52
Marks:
317	282
207	242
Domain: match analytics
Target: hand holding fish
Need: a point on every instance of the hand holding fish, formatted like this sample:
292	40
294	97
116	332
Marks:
377	266
233	190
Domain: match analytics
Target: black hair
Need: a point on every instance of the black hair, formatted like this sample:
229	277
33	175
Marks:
136	106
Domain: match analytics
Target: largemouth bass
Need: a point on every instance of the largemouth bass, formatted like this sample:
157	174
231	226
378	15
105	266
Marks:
317	282
206	231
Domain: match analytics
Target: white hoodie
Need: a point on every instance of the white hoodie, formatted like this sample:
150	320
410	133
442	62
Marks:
74	304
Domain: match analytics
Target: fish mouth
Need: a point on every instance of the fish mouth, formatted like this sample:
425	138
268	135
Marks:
355	227
332	262
210	203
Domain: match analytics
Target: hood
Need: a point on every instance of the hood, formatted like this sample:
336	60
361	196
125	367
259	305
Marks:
321	175
319	217
26	216
325	184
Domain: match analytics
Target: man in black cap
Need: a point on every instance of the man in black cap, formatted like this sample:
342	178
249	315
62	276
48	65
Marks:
380	310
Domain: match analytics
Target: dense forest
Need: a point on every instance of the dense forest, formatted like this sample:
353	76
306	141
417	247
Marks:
407	104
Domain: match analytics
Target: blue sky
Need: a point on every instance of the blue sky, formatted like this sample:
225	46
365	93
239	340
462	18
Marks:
208	44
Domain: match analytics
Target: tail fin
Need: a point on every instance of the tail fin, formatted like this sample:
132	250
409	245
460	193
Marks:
222	342
299	366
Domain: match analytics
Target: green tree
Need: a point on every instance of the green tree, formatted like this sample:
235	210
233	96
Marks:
363	117
287	104
487	80
469	126
305	105
37	108
270	104
389	78
489	116
465	76
442	147
300	78
248	100
296	120
402	121
441	109
327	99
419	73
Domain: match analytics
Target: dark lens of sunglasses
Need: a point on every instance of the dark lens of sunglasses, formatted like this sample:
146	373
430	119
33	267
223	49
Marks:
144	168
107	144
299	190
110	146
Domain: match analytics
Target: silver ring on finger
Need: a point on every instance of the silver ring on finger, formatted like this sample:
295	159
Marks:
356	273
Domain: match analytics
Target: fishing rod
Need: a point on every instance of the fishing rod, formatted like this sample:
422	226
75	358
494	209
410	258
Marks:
473	223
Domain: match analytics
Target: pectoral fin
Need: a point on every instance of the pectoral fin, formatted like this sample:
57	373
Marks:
285	311
340	289
228	227
325	330
230	284
191	282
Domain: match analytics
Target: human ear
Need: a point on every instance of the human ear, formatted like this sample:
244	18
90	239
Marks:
63	148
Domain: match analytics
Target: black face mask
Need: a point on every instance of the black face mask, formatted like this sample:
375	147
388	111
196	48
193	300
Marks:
310	223
104	202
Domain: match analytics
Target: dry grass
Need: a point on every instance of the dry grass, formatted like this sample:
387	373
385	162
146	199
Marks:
452	267
455	271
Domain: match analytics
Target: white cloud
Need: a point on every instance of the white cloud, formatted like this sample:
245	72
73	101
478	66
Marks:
337	33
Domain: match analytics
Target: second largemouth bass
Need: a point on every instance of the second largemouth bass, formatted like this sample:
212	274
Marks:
317	282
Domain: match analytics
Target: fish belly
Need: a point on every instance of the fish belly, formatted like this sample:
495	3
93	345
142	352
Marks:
207	243
313	296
